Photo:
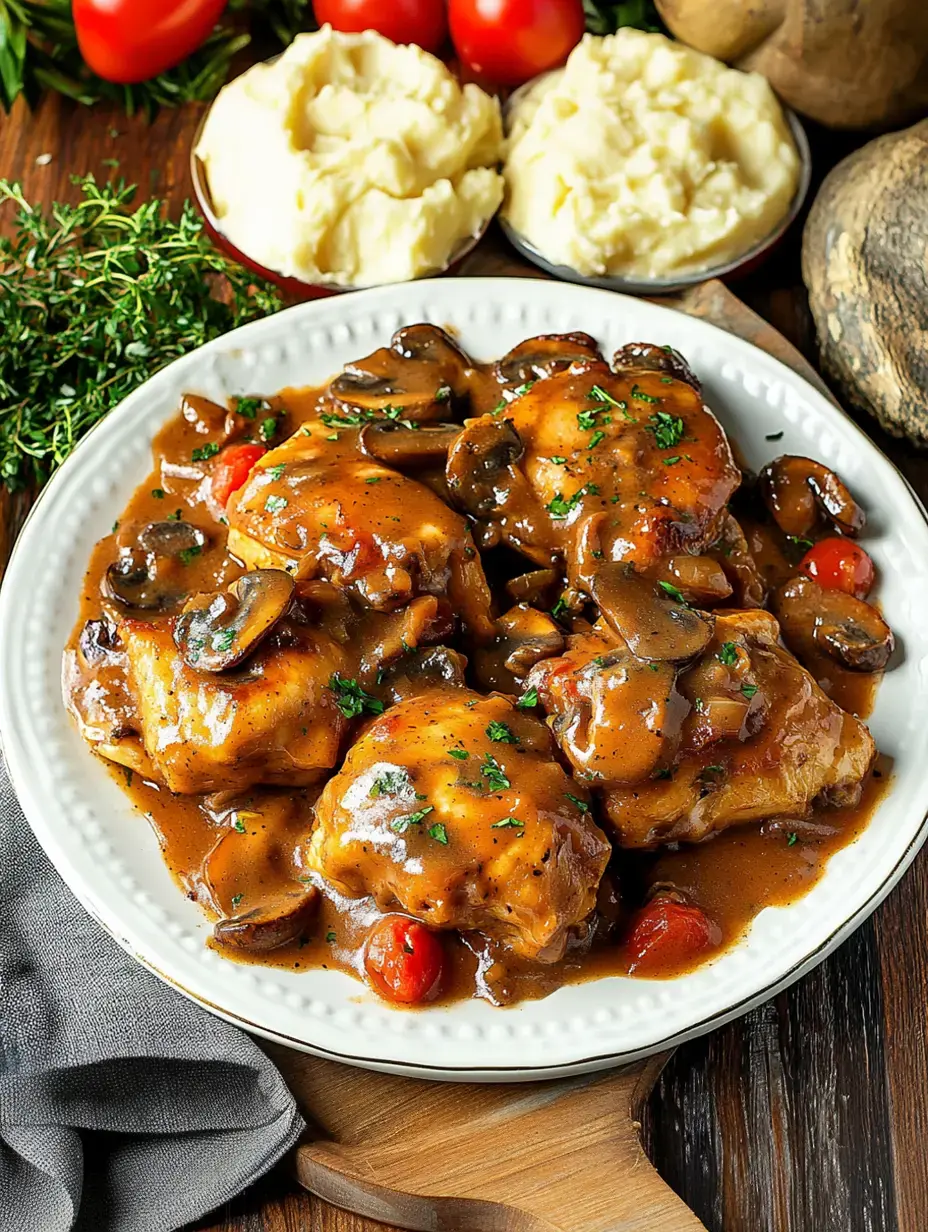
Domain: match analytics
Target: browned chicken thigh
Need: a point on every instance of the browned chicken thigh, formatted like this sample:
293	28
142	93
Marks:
451	807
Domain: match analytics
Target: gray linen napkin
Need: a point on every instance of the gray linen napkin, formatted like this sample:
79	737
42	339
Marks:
173	1110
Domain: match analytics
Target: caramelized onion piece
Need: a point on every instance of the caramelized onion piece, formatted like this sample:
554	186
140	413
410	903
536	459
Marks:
395	444
527	637
798	491
216	632
479	464
653	625
539	357
848	630
646	357
273	923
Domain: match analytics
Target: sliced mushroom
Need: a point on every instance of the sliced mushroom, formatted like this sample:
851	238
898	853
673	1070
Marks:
274	922
700	579
527	636
145	577
412	674
733	553
541	587
418	373
480	464
99	642
798	491
539	357
399	445
396	634
654	625
814	621
216	632
646	357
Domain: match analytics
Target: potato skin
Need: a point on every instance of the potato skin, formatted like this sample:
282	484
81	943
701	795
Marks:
843	63
865	264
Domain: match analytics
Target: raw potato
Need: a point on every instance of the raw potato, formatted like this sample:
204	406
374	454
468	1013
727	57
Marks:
865	264
845	63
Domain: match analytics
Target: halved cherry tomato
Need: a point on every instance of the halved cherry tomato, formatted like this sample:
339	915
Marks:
133	40
404	960
839	564
669	933
232	467
403	21
510	41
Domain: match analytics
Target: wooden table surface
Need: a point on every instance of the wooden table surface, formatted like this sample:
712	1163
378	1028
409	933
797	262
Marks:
809	1114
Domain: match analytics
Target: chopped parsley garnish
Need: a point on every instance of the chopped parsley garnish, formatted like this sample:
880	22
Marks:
598	394
792	838
597	436
239	825
459	754
186	555
500	733
586	420
508	823
494	774
330	936
268	428
274	504
443	393
275	472
798	542
559	609
558	460
343	420
728	654
523	389
581	804
128	773
500	407
223	639
236	899
158	493
176	516
249	407
672	461
352	700
402	824
667	429
373	479
674	591
560	508
389	782
439	833
749	690
203	452
528	699
699	706
638	392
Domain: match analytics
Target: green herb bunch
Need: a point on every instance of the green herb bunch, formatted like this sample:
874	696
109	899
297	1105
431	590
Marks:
94	298
38	51
604	17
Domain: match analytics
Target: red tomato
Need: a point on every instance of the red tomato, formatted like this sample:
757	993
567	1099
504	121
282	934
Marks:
132	40
669	933
232	467
510	41
403	21
404	960
838	564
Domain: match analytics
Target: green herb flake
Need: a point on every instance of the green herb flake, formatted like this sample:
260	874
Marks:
352	700
671	461
330	936
641	396
508	823
248	408
559	608
275	472
494	774
373	479
598	394
667	429
581	804
558	460
528	700
798	542
459	754
239	825
274	504
439	833
749	690
389	782
443	393
186	555
236	899
586	420
500	407
268	428
595	439
500	733
675	593
222	639
792	838
561	508
402	824
204	452
158	493
176	516
728	654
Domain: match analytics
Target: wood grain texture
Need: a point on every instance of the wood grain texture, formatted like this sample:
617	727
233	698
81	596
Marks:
808	1115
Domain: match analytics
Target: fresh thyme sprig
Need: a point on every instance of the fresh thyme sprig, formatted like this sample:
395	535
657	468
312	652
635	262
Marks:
94	298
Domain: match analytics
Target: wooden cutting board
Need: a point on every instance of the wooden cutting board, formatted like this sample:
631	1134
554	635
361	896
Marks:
559	1156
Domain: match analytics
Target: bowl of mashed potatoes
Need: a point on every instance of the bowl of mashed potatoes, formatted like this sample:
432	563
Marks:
349	162
646	166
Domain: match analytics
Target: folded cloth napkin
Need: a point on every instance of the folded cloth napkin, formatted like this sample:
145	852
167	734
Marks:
124	1107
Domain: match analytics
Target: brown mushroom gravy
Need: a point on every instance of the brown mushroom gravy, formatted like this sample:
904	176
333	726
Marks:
489	647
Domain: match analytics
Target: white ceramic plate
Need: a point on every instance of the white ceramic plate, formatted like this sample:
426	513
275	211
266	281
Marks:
110	858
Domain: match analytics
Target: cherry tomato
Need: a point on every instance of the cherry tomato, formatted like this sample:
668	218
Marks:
838	564
669	933
510	41
403	21
133	40
232	467
404	960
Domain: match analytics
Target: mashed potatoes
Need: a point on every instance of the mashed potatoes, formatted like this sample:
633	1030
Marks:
644	158
352	160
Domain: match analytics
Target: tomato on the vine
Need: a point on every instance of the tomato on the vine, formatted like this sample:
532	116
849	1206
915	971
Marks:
404	960
839	564
509	41
669	933
232	467
132	40
402	21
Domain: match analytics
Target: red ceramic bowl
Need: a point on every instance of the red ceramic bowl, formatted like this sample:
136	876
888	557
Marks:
293	288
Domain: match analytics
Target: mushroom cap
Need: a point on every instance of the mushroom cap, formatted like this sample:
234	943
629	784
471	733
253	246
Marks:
216	632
